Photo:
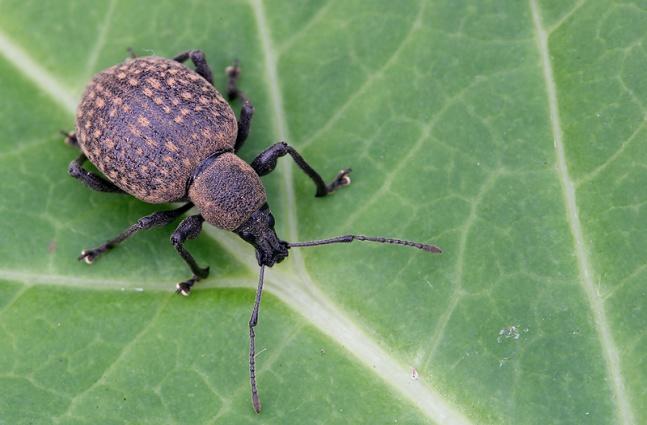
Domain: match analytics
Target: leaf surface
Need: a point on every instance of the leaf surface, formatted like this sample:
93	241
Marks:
509	133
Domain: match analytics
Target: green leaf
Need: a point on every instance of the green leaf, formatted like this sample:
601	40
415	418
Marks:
509	133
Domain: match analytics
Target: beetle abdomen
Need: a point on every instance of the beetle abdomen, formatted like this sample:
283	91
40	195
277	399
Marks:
146	124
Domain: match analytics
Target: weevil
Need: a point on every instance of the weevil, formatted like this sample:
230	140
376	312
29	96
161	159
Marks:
162	133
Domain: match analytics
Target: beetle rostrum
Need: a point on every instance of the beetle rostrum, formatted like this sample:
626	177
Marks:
162	133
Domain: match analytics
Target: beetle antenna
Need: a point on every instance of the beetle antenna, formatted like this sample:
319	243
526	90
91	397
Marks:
256	402
379	239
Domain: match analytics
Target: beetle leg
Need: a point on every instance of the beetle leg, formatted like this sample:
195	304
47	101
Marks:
266	162
160	218
91	180
233	74
70	139
200	62
189	228
246	113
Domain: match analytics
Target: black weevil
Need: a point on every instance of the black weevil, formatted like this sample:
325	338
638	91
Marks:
162	133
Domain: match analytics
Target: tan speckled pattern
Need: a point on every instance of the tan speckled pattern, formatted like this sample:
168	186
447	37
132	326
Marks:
147	123
227	192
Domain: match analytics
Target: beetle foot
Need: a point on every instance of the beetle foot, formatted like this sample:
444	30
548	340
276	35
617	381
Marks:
70	138
233	73
89	255
233	70
184	288
341	179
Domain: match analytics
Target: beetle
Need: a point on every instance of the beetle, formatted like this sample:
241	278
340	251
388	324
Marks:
162	133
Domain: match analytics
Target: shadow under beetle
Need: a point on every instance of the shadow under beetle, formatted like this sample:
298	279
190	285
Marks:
162	133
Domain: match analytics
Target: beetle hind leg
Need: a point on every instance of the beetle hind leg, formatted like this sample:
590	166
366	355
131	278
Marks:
200	62
70	139
244	123
246	111
233	74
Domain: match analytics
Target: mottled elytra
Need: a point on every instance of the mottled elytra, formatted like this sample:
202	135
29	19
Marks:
162	133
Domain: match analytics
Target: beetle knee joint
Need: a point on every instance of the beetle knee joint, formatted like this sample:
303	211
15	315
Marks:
176	239
283	148
248	108
144	222
74	170
197	55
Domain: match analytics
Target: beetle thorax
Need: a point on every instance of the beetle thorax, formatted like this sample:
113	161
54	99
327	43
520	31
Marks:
227	192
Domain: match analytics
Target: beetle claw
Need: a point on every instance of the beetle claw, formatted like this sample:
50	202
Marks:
183	288
87	256
233	71
341	179
70	138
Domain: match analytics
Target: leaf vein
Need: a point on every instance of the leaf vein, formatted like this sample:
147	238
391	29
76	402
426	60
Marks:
93	57
41	77
122	354
341	110
617	154
586	272
457	287
305	28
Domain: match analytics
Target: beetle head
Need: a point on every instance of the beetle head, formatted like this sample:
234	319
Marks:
258	230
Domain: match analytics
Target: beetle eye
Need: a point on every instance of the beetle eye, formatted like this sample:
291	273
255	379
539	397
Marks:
270	222
246	235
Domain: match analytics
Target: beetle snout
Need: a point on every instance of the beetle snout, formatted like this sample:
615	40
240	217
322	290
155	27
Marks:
271	251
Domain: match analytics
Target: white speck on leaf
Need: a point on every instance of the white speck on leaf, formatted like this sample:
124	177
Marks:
414	374
510	332
260	352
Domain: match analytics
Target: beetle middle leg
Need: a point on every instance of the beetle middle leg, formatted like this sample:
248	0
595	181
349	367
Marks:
189	228
266	162
160	218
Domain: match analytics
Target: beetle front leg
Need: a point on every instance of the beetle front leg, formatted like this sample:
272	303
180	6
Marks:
189	228
266	162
